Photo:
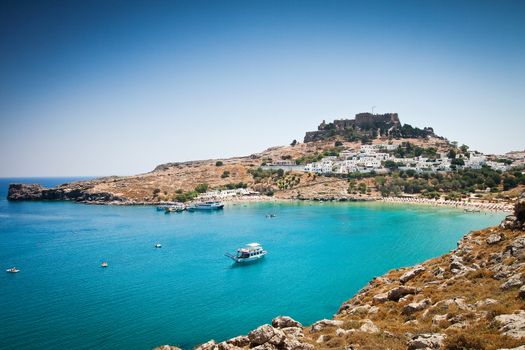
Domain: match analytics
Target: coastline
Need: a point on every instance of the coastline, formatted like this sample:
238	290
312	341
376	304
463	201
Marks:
34	192
467	206
463	205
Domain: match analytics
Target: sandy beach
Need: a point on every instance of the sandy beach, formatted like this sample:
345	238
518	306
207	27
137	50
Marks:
469	206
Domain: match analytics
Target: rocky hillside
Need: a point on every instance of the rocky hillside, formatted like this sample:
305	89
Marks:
168	180
470	298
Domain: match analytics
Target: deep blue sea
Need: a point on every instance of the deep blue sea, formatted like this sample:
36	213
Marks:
188	292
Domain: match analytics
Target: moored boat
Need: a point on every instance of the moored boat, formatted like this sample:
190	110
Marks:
206	206
12	270
175	208
250	253
104	264
158	245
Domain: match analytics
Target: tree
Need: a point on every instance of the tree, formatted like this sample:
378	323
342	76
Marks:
509	182
201	188
411	172
351	186
225	174
156	192
457	161
294	142
338	143
219	163
451	154
390	164
464	149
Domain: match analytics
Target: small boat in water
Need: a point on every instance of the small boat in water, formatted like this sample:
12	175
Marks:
252	252
270	216
206	206
176	208
104	264
12	270
158	245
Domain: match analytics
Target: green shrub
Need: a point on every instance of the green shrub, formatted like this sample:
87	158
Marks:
201	188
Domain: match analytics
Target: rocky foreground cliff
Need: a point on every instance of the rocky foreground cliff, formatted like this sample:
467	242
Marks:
470	298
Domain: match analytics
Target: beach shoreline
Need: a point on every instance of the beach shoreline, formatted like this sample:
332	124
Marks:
465	205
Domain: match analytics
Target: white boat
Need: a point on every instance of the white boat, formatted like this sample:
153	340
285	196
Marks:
158	245
206	206
104	264
12	270
177	208
252	252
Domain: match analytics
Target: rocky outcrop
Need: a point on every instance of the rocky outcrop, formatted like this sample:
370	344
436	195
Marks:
285	321
397	293
494	238
512	325
407	276
322	324
266	334
78	192
415	307
426	341
286	335
517	220
18	192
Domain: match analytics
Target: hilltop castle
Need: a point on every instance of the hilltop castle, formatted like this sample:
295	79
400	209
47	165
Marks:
362	121
368	124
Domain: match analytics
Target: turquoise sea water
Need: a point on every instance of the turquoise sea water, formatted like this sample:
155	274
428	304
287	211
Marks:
188	292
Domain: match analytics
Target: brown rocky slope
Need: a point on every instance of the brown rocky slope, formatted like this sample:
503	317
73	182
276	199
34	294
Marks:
470	298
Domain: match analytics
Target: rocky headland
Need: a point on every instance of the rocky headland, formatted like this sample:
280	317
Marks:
470	298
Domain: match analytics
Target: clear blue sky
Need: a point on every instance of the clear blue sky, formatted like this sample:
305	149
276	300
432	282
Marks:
117	87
